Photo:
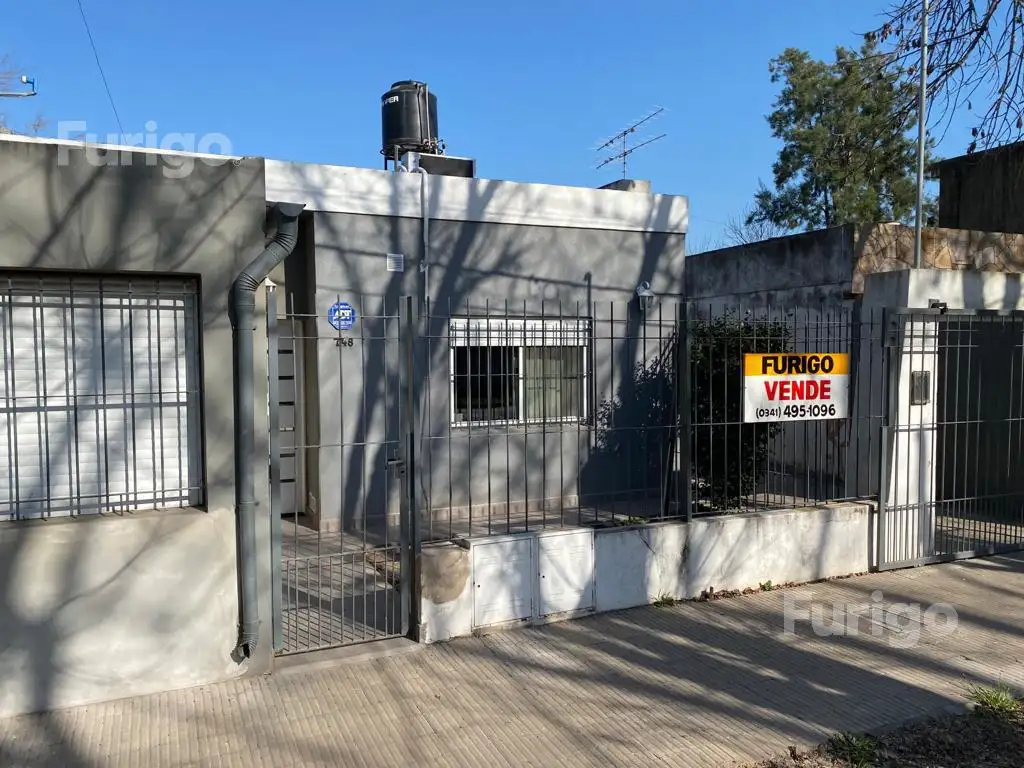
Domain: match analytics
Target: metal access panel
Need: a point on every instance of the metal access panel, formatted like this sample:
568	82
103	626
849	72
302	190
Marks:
99	395
503	576
566	572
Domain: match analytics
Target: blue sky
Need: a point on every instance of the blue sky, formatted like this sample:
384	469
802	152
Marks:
529	89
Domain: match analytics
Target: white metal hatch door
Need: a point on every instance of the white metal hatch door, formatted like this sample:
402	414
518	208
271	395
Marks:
566	564
503	574
99	397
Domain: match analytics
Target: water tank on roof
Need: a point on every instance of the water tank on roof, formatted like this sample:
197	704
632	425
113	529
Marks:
408	120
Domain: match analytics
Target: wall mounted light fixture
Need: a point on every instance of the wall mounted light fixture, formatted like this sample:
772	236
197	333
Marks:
645	296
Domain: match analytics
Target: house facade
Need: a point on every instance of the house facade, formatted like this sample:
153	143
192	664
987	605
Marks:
120	546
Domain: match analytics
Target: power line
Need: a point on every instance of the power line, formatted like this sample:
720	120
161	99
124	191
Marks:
99	65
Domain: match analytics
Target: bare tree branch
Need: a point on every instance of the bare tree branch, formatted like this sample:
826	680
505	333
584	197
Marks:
975	62
747	228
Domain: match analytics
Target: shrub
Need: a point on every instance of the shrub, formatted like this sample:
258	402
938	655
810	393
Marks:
729	457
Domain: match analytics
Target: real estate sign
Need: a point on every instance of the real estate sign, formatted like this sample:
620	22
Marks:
795	387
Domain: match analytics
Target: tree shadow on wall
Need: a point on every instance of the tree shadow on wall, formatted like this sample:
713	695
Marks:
628	460
634	466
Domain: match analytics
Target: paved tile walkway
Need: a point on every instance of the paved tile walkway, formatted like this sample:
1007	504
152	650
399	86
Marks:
696	684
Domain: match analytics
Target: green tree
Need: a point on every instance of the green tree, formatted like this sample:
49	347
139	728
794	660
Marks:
847	156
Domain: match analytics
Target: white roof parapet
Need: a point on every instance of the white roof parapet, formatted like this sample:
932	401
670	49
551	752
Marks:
369	192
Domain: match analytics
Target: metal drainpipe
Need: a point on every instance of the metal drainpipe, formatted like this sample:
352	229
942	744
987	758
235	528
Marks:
243	327
425	215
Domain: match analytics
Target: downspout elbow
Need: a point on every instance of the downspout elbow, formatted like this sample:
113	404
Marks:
243	290
242	306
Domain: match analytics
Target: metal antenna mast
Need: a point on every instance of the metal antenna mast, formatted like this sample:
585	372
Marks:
621	138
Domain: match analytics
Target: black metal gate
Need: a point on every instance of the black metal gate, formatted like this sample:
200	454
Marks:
953	452
340	507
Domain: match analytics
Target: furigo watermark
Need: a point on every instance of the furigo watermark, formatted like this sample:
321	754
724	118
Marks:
210	149
905	622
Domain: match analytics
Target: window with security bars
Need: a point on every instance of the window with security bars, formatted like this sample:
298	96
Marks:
509	372
99	395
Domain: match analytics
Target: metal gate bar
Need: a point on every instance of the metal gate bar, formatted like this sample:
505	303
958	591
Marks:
341	556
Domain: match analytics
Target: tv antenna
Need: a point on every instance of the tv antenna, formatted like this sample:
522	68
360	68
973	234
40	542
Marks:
622	139
24	80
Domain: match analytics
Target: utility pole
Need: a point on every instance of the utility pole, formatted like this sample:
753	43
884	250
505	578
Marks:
922	116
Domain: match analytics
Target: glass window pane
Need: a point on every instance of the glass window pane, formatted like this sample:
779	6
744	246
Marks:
485	386
553	382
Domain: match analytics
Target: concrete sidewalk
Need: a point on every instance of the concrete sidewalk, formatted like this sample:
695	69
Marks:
696	684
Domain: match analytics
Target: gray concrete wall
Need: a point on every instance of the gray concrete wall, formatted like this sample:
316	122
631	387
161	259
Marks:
478	267
797	270
97	608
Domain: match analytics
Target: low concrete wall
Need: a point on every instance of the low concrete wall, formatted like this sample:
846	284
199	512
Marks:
115	606
633	566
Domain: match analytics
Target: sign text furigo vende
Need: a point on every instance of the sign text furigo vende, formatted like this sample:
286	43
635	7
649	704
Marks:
795	387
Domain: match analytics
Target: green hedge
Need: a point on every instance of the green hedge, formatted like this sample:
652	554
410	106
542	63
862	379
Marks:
729	457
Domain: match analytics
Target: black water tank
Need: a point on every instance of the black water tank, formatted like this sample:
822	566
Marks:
408	119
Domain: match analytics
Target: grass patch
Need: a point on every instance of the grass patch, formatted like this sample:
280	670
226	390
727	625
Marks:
858	751
996	700
992	736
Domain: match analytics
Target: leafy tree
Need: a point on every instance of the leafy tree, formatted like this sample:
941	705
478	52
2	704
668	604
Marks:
846	154
975	62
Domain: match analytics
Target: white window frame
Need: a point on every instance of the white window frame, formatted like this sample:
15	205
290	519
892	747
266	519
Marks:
518	333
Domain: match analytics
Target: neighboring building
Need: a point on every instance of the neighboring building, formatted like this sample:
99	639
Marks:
830	265
983	191
116	398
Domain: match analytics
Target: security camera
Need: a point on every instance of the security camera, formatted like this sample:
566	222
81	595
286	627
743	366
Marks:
24	79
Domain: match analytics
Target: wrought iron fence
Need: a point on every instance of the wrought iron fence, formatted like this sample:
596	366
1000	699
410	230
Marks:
604	415
798	456
492	419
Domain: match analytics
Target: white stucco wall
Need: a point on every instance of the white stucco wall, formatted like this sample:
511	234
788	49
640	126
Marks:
633	566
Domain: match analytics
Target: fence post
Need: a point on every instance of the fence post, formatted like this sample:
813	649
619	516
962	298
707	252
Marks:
891	336
683	406
686	412
274	427
409	527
